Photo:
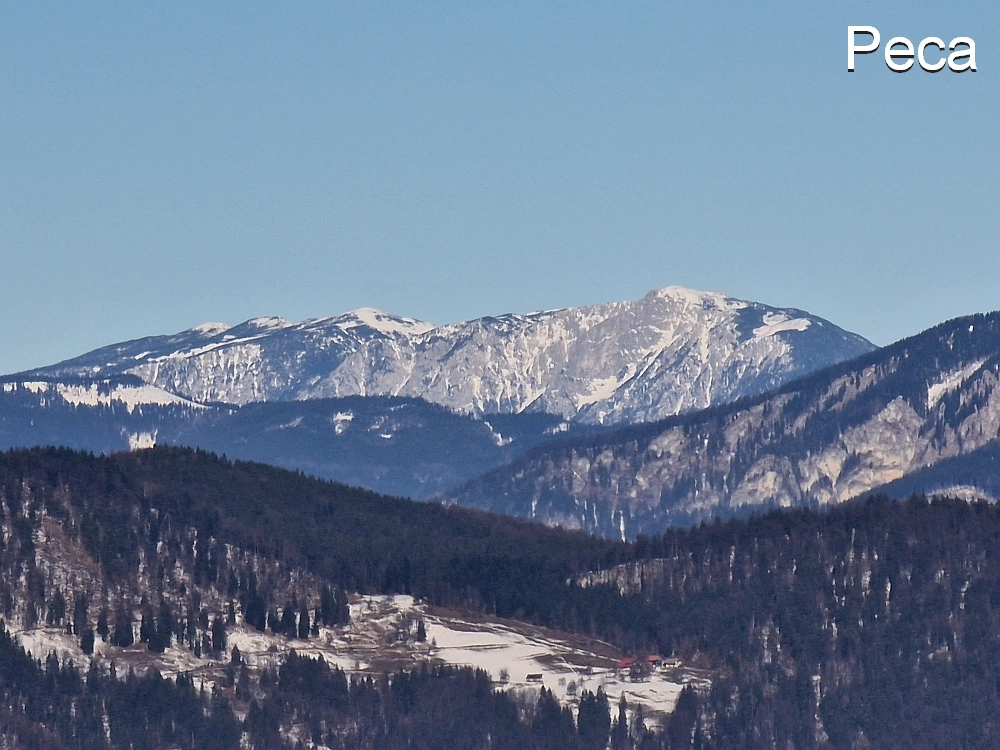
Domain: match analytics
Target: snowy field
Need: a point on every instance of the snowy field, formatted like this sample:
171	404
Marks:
511	654
382	637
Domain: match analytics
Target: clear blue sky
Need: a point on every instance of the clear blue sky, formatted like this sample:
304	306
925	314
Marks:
164	164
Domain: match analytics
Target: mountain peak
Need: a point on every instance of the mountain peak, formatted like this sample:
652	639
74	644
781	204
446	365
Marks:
210	329
267	322
695	297
383	322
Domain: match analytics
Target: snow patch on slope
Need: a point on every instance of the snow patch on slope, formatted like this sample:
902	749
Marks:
968	492
951	381
600	389
777	322
131	396
498	439
341	421
140	441
98	394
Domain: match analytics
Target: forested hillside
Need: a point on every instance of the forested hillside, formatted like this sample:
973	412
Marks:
874	624
354	539
151	561
395	446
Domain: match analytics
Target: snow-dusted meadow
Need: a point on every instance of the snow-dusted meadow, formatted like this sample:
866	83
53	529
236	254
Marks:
382	638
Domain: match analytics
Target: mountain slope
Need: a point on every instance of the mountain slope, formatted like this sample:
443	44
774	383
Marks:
120	507
149	586
673	351
821	440
972	476
871	625
398	446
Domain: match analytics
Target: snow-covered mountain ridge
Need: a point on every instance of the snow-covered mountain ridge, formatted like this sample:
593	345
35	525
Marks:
99	394
929	400
673	351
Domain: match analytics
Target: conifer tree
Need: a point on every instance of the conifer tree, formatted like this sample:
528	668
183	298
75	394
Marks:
682	721
304	621
287	623
327	606
594	720
80	619
102	624
218	635
123	636
87	641
619	733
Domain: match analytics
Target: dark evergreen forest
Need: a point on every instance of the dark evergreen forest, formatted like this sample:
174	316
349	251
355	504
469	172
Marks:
873	624
876	624
55	707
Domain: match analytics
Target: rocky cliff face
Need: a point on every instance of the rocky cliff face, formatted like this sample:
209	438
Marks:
671	352
822	440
